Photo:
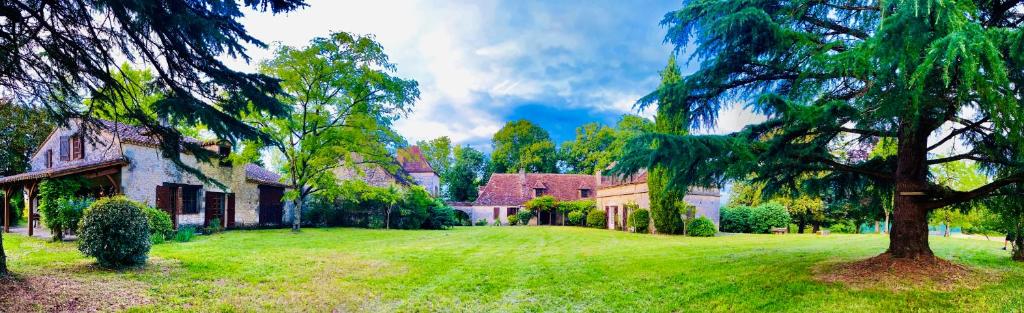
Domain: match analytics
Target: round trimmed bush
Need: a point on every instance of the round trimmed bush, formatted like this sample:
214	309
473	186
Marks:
159	223
640	220
767	216
513	220
736	219
701	227
115	231
596	219
575	217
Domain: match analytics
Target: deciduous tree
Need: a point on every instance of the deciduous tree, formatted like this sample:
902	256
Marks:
523	145
343	98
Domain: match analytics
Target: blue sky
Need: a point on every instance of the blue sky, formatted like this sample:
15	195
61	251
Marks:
560	64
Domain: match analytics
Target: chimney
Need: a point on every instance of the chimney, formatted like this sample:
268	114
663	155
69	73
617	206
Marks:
522	175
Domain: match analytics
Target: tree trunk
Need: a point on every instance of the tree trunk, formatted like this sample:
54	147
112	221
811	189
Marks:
1018	253
815	227
887	225
909	236
946	226
878	229
297	214
800	227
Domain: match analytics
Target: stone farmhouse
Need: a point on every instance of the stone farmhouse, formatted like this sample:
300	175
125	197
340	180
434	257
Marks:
616	192
412	169
505	194
123	159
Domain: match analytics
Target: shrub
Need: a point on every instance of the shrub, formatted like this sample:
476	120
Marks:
115	231
701	227
413	209
185	233
159	223
481	222
214	227
524	216
596	219
767	216
497	222
156	239
736	219
843	227
376	222
575	218
513	220
58	206
640	220
441	216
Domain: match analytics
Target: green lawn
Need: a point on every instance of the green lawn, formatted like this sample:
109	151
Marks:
518	269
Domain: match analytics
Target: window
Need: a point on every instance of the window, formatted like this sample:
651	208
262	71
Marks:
49	158
538	192
511	211
584	193
77	147
189	196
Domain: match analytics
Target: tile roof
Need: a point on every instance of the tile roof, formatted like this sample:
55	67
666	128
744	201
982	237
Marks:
516	189
67	169
137	134
612	181
412	160
259	175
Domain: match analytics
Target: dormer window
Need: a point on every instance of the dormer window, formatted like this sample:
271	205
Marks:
584	193
538	192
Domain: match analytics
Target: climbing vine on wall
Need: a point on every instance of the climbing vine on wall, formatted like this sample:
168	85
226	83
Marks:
59	206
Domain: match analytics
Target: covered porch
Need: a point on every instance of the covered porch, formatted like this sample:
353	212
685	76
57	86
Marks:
103	176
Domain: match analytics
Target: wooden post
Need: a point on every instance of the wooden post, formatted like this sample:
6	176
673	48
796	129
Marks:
6	210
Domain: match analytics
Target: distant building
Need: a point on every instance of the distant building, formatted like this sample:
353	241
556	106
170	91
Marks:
412	168
615	192
505	194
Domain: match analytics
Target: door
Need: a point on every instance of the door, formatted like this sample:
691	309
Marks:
214	208
271	208
165	202
230	221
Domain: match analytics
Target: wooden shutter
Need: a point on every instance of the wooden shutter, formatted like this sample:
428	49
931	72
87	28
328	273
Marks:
497	213
49	158
230	219
65	148
164	202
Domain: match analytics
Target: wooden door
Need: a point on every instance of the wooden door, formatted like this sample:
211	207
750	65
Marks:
271	207
230	221
214	208
165	202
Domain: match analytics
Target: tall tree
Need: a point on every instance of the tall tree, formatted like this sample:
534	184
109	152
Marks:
439	154
828	74
23	129
523	145
54	54
467	173
344	100
664	196
590	151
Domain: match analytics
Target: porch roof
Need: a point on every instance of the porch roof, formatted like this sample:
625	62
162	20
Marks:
64	170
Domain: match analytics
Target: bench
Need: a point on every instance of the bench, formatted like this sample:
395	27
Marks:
779	231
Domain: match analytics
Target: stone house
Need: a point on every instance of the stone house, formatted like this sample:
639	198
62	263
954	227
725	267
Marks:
412	169
123	159
505	194
616	192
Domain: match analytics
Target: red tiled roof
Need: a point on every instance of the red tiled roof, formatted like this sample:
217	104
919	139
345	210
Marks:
137	134
516	189
612	181
259	175
412	161
67	169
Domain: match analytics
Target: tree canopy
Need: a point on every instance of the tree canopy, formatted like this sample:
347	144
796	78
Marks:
831	75
344	99
522	144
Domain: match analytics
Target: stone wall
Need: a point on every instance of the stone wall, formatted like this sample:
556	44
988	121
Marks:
429	181
101	148
707	201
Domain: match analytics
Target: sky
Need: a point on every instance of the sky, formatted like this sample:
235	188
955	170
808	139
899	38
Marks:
560	64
